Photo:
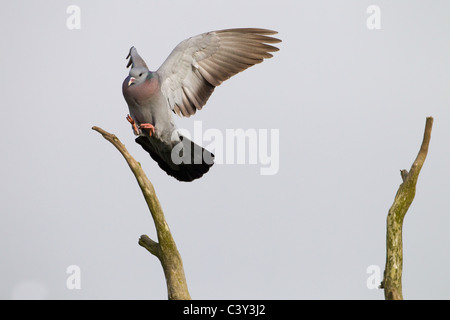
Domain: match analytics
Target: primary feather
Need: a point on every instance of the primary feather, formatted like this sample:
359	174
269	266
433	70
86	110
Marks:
199	64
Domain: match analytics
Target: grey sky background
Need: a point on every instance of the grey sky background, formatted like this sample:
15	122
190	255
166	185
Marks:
350	105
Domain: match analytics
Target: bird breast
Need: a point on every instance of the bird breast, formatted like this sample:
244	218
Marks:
142	93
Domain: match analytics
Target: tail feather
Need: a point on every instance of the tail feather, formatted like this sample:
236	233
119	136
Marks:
186	161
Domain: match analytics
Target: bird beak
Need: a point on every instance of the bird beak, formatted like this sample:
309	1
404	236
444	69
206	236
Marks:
132	79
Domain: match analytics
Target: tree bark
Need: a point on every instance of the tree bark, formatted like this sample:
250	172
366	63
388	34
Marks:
392	282
165	249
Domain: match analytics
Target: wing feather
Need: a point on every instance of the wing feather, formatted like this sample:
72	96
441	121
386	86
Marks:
199	64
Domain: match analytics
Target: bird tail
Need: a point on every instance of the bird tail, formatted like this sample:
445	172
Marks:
185	161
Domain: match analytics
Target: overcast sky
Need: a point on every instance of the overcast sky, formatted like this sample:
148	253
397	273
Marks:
349	104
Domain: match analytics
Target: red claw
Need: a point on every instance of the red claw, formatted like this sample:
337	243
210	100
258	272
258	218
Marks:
133	125
149	127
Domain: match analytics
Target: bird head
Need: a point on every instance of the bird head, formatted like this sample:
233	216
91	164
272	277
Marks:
139	71
137	75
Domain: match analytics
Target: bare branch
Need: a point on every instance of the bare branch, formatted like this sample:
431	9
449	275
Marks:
150	245
165	249
392	282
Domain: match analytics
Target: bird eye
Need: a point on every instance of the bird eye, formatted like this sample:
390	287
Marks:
140	74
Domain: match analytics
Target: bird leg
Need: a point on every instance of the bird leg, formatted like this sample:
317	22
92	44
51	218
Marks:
133	125
136	128
149	127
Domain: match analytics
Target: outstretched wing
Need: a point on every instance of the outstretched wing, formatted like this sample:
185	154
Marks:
199	64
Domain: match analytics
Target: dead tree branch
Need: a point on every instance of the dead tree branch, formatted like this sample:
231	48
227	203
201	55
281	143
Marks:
165	249
392	282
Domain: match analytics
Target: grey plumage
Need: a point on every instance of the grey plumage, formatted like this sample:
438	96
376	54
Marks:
183	84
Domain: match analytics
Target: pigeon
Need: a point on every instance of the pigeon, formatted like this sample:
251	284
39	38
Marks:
182	85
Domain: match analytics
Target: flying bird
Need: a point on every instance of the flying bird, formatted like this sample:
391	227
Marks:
182	85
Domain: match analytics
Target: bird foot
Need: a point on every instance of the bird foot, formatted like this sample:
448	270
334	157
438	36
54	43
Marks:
149	127
133	125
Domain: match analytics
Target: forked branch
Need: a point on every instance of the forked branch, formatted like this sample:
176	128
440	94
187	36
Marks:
165	249
392	282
